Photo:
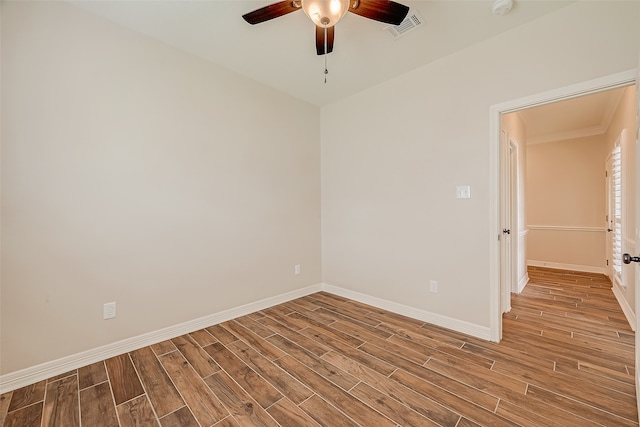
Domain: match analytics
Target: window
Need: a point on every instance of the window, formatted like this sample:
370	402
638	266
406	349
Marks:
615	211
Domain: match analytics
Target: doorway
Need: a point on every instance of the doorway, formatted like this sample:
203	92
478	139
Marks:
501	283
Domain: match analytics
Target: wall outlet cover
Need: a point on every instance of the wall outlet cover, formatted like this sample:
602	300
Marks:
109	310
433	286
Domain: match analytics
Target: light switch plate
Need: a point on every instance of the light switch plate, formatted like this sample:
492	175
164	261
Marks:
463	192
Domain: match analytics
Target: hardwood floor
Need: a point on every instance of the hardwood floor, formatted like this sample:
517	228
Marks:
566	360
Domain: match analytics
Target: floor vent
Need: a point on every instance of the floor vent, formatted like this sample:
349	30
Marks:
410	23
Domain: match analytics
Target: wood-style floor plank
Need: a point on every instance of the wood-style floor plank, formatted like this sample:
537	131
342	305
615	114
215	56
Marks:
227	422
221	334
5	400
203	337
525	417
163	347
91	375
26	416
263	392
97	407
196	356
469	408
180	418
420	403
288	414
314	347
261	345
566	360
577	408
282	381
243	408
354	353
61	405
320	366
339	398
137	413
160	389
125	383
325	414
27	395
389	406
204	404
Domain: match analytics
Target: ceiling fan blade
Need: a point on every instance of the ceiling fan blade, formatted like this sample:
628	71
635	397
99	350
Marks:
272	11
386	11
320	39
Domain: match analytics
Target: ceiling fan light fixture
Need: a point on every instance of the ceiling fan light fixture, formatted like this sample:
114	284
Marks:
501	7
325	13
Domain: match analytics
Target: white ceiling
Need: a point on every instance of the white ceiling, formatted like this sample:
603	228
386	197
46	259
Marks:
281	53
583	116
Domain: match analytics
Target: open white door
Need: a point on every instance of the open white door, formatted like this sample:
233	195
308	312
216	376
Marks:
506	260
633	259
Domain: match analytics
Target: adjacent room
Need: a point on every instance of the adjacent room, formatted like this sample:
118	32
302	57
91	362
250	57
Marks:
208	222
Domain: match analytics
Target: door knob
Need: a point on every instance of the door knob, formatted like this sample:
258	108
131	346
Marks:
609	230
628	259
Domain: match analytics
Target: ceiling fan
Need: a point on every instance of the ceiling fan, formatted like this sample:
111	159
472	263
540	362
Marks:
326	13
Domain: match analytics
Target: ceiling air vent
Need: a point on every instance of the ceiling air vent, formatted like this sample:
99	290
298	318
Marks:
410	23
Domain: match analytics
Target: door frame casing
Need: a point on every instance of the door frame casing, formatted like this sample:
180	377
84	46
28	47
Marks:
613	81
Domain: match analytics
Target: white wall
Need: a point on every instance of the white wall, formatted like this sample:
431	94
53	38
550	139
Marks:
393	155
135	173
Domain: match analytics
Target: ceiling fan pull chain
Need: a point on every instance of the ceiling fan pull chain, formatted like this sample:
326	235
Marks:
325	54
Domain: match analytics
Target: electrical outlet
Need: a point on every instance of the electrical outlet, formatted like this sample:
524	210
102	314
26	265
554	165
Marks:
109	310
296	269
433	286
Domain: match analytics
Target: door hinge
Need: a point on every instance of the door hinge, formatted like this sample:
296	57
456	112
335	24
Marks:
606	174
607	262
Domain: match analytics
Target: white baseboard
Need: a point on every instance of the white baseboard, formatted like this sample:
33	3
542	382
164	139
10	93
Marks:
523	282
624	305
572	267
415	313
31	375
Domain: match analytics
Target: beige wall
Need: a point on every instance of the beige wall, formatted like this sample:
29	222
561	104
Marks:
135	173
390	219
514	126
566	202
